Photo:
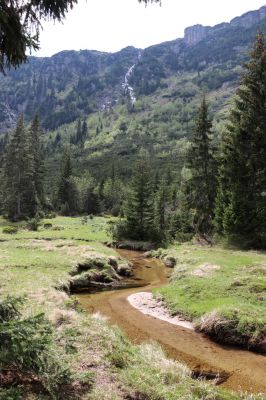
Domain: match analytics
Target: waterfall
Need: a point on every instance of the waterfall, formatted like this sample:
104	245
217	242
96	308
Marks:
126	86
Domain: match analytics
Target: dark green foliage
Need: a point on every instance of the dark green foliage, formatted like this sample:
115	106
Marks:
10	229
26	347
81	133
38	175
138	224
201	187
181	226
10	394
20	25
67	189
33	224
21	198
241	201
91	202
48	225
160	212
9	308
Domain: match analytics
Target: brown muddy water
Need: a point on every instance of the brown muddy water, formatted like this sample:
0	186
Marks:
246	370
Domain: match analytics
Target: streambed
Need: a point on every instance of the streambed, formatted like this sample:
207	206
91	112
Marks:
246	370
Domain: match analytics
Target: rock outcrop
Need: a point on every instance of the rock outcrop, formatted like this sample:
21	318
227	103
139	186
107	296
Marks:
250	18
194	34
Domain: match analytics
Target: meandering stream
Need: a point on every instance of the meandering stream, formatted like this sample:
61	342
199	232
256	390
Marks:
247	370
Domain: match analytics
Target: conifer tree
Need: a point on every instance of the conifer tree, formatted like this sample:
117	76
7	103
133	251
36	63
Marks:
201	187
139	206
241	200
21	196
84	130
67	190
91	203
160	223
78	132
35	134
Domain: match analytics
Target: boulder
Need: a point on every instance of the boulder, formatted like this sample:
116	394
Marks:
113	262
170	261
124	270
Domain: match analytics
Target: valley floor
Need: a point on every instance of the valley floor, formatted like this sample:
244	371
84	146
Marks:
222	291
104	364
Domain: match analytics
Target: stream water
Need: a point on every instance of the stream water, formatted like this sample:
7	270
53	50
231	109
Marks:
246	370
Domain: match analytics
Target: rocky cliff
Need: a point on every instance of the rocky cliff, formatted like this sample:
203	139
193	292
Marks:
196	33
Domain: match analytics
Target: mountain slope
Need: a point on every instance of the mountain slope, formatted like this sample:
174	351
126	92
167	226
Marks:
167	80
71	84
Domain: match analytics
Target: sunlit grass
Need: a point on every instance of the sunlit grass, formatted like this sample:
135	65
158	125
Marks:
235	288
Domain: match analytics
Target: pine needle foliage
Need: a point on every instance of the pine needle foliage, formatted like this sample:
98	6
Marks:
26	347
21	198
241	200
201	187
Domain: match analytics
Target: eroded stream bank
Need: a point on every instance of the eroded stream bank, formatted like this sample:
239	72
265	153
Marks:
247	370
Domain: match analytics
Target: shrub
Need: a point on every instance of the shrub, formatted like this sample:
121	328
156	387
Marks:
65	210
28	343
10	394
33	224
50	215
47	225
84	219
57	228
11	230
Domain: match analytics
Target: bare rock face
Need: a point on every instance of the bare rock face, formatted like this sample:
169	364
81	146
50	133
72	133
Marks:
194	34
250	18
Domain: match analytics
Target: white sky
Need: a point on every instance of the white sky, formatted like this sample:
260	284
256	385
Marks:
110	25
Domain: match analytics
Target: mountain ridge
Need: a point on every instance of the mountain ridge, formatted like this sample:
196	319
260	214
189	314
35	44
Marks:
74	84
193	34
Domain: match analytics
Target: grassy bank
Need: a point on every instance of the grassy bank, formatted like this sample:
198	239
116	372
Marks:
223	291
88	358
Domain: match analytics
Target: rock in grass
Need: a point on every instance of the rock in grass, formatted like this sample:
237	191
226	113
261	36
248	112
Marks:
113	261
124	270
170	261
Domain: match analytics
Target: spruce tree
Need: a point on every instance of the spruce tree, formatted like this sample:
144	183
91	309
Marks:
35	134
139	206
201	187
241	200
160	202
78	132
84	130
67	189
21	196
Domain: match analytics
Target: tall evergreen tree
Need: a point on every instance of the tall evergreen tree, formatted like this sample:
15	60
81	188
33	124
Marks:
241	200
21	196
84	130
35	134
160	202
67	189
78	132
139	206
201	187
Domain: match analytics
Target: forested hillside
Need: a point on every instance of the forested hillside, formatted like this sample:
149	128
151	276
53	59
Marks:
108	109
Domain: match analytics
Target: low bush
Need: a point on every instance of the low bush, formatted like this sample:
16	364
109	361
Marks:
11	230
57	228
50	215
48	225
27	347
33	224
